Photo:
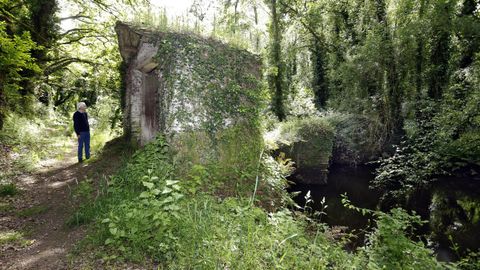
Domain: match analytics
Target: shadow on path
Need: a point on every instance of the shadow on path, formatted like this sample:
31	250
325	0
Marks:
49	189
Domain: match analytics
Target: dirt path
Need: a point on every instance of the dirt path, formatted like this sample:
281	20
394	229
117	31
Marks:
39	212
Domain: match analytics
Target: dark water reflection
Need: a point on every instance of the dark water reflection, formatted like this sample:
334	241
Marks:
451	205
352	181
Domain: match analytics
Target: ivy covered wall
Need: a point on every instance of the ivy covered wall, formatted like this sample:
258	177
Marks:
205	96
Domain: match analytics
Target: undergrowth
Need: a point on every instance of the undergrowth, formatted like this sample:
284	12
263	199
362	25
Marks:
28	142
146	215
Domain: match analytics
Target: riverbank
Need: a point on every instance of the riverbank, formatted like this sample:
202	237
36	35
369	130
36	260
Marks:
148	216
449	206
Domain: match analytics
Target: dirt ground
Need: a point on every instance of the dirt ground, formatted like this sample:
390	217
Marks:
39	212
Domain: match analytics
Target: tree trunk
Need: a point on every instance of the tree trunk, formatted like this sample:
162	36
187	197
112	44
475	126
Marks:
275	78
319	84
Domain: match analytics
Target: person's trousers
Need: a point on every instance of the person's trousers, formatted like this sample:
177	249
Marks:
84	141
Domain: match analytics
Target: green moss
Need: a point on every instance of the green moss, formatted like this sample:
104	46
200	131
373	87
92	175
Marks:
34	210
358	139
308	141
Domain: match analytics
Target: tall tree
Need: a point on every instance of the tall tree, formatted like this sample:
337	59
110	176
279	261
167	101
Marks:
420	55
319	82
14	58
441	21
276	68
468	31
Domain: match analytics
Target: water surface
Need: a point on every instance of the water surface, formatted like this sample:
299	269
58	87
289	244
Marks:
450	205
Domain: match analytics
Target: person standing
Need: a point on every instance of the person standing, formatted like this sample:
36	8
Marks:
82	129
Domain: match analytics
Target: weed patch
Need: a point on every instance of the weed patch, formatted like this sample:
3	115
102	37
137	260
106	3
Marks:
14	237
5	207
146	215
32	211
8	190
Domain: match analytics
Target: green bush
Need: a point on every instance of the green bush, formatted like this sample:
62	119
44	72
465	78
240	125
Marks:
145	225
31	140
358	138
389	246
15	56
443	136
8	189
147	216
308	141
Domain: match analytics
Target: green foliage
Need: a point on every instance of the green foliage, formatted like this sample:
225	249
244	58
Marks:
470	262
14	58
8	190
442	138
153	157
458	119
83	191
14	237
389	245
27	141
358	139
32	211
146	225
144	216
309	141
414	162
229	233
197	178
382	57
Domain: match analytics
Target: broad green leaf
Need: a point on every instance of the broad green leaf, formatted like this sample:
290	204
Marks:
171	182
148	184
108	241
177	196
166	190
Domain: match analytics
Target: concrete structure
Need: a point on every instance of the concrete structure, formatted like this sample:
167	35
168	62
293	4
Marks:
176	82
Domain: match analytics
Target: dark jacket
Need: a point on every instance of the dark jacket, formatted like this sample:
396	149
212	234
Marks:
80	122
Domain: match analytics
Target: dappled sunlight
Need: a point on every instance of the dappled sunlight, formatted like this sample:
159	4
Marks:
27	179
220	134
60	184
46	255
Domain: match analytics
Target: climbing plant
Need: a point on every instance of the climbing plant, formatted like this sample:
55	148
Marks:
212	97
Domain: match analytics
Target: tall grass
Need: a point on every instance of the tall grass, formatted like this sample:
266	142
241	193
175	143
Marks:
26	141
146	216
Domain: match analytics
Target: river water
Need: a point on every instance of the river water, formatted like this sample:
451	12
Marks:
451	206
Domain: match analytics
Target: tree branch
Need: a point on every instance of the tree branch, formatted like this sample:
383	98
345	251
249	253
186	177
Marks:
74	17
77	30
304	24
65	62
79	38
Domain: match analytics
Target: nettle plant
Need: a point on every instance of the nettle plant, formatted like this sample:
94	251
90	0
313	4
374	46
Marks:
146	222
